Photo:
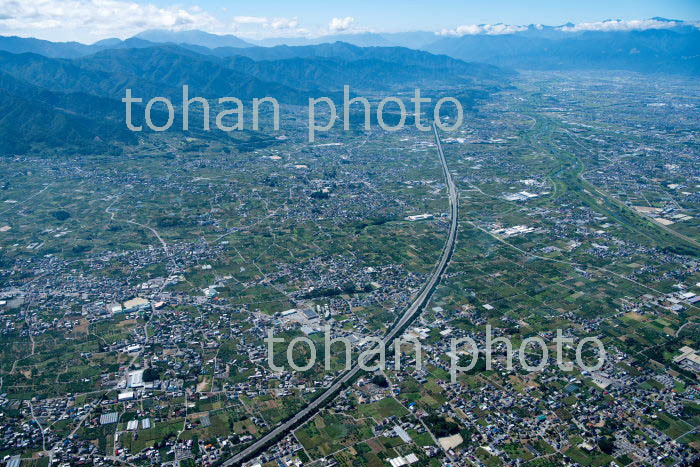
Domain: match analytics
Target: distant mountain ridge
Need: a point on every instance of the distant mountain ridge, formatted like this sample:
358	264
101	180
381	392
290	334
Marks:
56	102
60	94
18	45
194	37
30	116
654	50
673	47
287	73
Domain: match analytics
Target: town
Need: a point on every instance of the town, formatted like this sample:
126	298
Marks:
137	292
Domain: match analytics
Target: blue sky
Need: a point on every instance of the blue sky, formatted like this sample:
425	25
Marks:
438	14
91	20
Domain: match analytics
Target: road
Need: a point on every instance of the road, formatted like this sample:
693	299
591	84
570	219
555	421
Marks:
409	315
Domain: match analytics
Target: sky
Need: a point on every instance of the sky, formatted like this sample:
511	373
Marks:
91	20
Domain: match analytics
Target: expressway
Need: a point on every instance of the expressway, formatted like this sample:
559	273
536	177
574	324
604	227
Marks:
398	327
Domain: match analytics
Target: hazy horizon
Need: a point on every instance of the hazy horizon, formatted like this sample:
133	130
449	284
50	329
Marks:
89	21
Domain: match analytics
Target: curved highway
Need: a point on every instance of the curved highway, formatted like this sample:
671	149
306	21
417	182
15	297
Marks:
409	315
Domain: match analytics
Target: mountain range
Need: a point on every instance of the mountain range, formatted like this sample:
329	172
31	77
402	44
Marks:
67	94
673	50
193	37
674	46
75	102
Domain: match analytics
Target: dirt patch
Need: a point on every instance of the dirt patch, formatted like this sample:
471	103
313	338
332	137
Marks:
126	322
82	327
375	445
320	424
203	386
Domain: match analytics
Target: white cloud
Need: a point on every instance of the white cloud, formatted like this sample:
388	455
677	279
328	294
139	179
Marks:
608	25
284	23
250	20
341	24
96	19
258	27
504	28
90	20
621	25
463	30
491	29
